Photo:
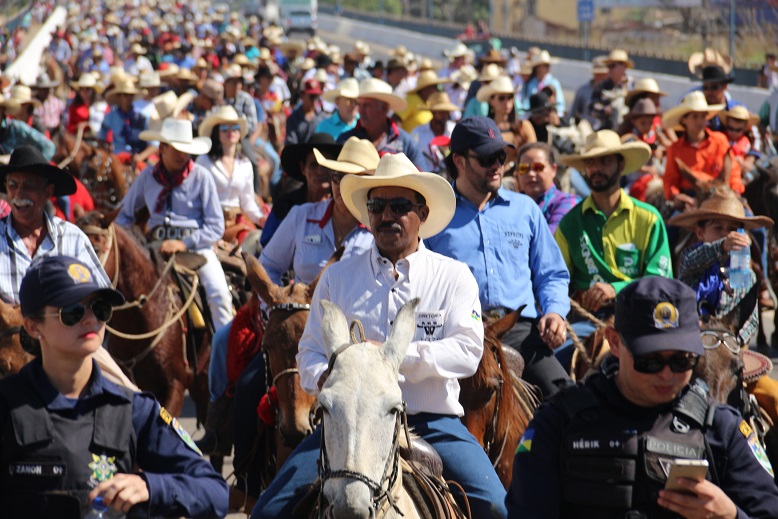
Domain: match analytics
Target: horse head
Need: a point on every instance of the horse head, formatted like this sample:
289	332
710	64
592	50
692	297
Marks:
362	409
12	355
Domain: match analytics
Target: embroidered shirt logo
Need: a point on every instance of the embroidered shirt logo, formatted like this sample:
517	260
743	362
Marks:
665	316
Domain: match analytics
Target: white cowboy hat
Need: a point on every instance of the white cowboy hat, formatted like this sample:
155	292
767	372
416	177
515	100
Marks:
459	50
439	102
171	105
490	72
348	88
87	80
124	86
20	95
137	48
599	66
543	58
373	88
398	171
647	85
501	85
619	56
225	114
740	113
178	134
171	69
244	62
361	47
700	60
464	76
357	157
607	142
149	80
428	78
693	102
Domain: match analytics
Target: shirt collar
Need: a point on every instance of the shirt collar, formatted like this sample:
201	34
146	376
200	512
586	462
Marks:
625	204
11	232
378	262
498	198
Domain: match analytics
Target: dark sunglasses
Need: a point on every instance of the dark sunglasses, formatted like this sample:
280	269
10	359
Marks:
71	315
680	363
486	161
713	86
229	127
734	130
525	168
399	206
712	340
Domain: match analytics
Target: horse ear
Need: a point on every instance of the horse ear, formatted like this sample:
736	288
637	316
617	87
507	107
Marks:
402	332
334	327
107	218
500	327
259	280
334	258
736	318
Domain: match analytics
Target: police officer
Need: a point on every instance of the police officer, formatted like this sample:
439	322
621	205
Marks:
69	435
603	448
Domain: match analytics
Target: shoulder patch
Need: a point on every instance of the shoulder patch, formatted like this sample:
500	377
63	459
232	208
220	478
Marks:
180	431
525	444
756	447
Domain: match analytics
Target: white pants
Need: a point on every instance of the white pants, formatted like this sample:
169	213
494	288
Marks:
216	290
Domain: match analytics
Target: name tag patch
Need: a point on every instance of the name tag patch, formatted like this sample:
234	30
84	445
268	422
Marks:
676	450
313	239
429	325
44	469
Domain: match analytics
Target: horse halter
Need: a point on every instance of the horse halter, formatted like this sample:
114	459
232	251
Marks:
102	170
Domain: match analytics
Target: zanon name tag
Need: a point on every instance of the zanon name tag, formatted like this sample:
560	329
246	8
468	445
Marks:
677	450
38	469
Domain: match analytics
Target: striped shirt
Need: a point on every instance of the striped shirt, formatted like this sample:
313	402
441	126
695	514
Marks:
51	111
63	238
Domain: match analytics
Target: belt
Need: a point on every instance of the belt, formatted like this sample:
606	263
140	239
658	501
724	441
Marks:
161	232
497	312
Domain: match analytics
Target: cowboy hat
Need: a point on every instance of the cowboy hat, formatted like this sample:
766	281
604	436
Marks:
542	58
490	72
619	56
170	69
501	85
699	60
244	62
425	64
289	48
149	80
43	81
464	77
20	95
360	47
599	66
428	78
225	114
373	88
722	205
439	102
398	171
27	159
607	142
234	71
642	108
87	80
459	50
348	88
716	74
125	86
399	51
294	154
755	366
171	105
357	157
200	64
647	85
493	56
692	102
178	134
740	113
539	102
137	48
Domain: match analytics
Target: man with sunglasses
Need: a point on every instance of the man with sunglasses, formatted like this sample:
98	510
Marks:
715	86
504	239
604	448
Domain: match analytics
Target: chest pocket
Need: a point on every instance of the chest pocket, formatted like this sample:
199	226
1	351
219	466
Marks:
429	325
510	245
628	259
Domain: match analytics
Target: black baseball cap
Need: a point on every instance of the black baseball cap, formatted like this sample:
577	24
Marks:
59	281
479	134
658	314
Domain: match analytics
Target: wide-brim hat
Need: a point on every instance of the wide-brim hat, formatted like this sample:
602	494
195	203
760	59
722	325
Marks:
428	78
599	66
27	159
607	142
460	50
755	366
43	81
439	102
171	105
137	48
699	60
87	80
373	88
619	56
464	76
293	154
501	85
244	61
542	58
357	157
722	205
490	72
493	56
149	80
642	108
169	70
20	95
226	114
178	134
123	87
348	88
289	48
693	102
716	74
398	171
740	113
647	85
361	47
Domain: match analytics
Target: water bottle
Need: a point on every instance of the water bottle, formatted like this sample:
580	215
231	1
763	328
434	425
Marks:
99	509
740	266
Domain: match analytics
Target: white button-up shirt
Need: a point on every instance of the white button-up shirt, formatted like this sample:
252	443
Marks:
448	341
236	190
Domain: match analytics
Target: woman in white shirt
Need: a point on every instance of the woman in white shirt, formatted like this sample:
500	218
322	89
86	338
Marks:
231	171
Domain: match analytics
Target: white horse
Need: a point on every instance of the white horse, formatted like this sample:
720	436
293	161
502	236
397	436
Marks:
363	421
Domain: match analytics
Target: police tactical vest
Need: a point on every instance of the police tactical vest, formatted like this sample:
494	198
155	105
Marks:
50	461
613	465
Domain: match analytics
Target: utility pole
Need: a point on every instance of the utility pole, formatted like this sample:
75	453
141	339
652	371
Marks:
732	30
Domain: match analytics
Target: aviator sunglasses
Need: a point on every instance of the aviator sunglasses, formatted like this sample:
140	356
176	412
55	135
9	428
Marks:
525	168
71	315
229	127
679	363
486	161
399	206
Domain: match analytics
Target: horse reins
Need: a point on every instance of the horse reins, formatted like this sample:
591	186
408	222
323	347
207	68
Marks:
76	147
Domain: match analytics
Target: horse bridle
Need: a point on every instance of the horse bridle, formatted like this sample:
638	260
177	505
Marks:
102	176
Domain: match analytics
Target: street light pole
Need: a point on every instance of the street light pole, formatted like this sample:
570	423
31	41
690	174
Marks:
732	30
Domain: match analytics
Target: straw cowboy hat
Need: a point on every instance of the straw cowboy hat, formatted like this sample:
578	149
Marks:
699	60
225	114
171	69
599	66
20	95
357	157
501	85
425	64
137	48
125	86
722	205
439	102
362	48
149	80
740	113
200	64
244	62
400	51
607	142
44	82
292	48
464	77
619	56
27	159
178	134
493	56
171	105
293	154
542	58
693	102
87	80
647	85
398	171
490	72
460	50
373	88
348	88
755	365
642	108
428	78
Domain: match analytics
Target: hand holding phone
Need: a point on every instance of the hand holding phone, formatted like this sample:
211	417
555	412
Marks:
690	469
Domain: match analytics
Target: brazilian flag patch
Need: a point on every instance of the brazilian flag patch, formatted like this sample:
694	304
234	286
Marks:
180	431
525	444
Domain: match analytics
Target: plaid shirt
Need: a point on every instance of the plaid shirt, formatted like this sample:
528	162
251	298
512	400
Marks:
554	204
244	105
50	111
14	133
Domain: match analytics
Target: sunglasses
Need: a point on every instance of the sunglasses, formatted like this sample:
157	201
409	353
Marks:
679	363
714	86
525	168
732	129
486	161
229	127
71	315
399	206
712	340
506	97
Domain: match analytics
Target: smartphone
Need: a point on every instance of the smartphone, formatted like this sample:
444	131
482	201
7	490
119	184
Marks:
690	469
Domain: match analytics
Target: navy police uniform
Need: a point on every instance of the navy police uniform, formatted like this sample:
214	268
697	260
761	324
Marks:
55	449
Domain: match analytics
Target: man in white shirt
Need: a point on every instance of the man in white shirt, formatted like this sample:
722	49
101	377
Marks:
401	205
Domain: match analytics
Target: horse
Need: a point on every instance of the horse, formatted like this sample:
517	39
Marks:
12	355
149	334
498	404
363	424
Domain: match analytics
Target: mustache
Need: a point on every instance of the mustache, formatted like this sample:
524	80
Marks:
390	226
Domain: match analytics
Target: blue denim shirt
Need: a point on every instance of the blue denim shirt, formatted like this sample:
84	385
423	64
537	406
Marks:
397	140
125	129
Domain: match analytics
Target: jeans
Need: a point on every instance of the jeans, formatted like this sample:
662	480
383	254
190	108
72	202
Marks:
217	370
249	390
464	461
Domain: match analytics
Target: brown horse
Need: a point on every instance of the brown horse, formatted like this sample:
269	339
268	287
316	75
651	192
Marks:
12	355
149	337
